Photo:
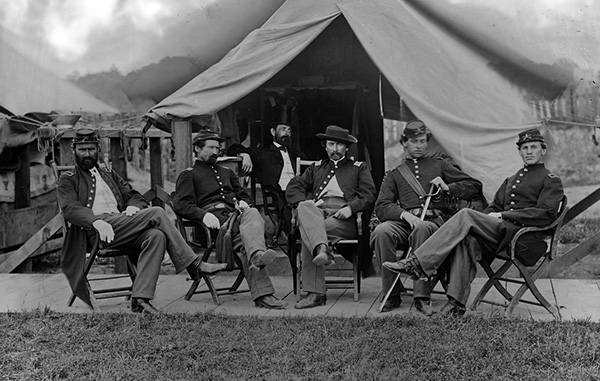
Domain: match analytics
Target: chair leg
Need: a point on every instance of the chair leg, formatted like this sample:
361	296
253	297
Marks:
356	277
529	284
492	281
238	281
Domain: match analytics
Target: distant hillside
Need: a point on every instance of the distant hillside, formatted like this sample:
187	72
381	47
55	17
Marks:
139	90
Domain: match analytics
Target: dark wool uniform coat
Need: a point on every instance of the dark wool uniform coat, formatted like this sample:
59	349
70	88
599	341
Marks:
396	195
530	197
76	194
203	186
353	177
354	180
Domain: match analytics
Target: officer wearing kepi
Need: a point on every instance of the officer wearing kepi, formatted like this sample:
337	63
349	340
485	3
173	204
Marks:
530	197
400	204
210	193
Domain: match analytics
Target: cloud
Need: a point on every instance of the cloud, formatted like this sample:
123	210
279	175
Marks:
71	25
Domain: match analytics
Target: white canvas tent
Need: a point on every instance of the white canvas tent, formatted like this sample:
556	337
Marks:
26	88
473	109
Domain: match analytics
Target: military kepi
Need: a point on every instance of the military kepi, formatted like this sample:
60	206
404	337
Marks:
531	135
207	135
415	128
86	135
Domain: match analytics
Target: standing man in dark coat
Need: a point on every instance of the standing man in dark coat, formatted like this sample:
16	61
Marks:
399	207
94	199
210	193
530	197
328	195
274	166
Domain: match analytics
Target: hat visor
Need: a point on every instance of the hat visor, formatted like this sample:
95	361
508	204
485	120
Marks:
351	139
519	144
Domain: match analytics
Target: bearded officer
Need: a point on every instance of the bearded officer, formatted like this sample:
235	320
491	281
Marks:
328	195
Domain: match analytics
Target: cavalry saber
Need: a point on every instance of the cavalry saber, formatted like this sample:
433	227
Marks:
423	213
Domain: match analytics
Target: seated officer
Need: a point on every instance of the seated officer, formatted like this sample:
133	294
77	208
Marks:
209	193
327	196
530	197
400	204
93	198
274	165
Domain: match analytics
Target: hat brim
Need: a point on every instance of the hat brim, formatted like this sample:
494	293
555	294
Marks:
351	139
519	144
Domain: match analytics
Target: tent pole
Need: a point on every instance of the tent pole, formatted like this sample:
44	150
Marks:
182	140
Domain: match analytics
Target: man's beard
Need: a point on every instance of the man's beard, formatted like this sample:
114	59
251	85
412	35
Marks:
212	159
335	156
284	140
86	162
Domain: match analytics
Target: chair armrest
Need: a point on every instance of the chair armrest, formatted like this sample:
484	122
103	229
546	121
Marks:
530	229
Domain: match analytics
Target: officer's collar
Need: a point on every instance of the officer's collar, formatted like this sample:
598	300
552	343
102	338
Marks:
204	163
533	166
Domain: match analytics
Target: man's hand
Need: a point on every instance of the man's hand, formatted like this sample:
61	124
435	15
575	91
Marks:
495	214
241	205
105	230
343	214
440	184
211	221
411	219
246	163
131	210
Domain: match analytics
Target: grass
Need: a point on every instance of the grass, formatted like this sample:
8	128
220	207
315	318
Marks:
43	345
579	229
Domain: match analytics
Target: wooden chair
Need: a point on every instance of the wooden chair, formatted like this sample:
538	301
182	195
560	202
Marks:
528	274
203	240
96	251
272	209
332	282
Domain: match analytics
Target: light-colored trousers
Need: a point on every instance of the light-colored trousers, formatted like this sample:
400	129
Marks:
317	226
464	234
249	239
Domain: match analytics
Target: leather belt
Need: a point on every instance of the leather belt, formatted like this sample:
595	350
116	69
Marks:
215	205
429	213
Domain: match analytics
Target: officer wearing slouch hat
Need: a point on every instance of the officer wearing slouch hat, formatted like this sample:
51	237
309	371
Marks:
93	198
399	208
210	193
327	196
530	197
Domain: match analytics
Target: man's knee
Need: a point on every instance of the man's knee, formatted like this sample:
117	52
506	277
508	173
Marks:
156	236
252	215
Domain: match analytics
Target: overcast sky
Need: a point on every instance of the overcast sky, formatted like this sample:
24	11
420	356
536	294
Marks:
94	35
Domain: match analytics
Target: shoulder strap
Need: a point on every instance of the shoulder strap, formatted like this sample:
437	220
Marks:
411	179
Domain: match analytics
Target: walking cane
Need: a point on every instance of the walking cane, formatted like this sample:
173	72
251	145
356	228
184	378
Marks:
423	213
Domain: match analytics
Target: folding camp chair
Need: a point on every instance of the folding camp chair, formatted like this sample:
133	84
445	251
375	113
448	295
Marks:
202	239
529	274
345	245
97	251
